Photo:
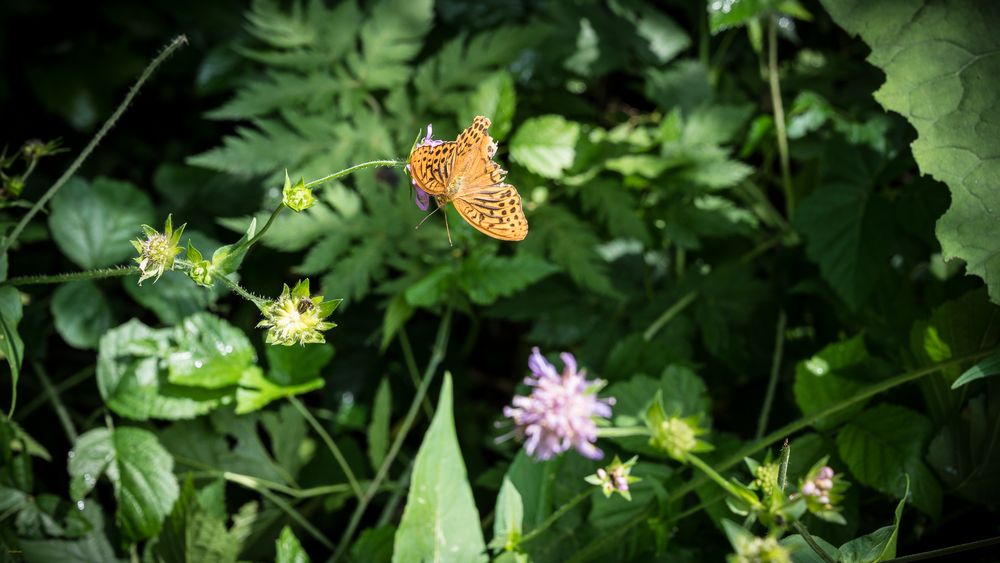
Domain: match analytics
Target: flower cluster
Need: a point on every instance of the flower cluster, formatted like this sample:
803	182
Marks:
297	196
296	317
675	435
561	411
422	199
157	252
820	486
762	550
615	478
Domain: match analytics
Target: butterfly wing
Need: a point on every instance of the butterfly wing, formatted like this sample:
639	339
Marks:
431	167
494	210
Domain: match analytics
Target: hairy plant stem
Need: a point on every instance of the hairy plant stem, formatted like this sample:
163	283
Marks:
713	474
330	445
779	115
146	73
783	432
772	382
57	404
804	532
68	383
355	168
437	355
102	273
260	234
557	515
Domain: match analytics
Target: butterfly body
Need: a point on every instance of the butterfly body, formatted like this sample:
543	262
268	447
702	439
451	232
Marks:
462	172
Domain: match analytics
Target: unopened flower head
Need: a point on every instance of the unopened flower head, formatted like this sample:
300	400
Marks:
675	435
422	199
615	478
761	550
766	477
296	317
822	488
201	269
562	410
157	252
297	196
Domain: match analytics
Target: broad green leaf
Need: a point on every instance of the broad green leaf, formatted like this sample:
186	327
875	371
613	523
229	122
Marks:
495	98
879	545
802	553
288	549
509	516
11	345
378	430
256	391
138	467
881	444
132	377
683	85
533	481
173	297
291	364
440	520
93	223
941	77
485	278
545	145
93	546
985	368
826	378
724	14
374	545
194	533
290	441
209	353
82	314
963	452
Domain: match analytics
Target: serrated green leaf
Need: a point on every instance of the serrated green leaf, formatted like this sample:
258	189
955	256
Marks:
824	379
11	344
93	546
881	444
545	145
440	519
731	13
138	467
391	36
495	98
378	430
288	549
570	243
683	85
193	533
939	77
81	314
490	277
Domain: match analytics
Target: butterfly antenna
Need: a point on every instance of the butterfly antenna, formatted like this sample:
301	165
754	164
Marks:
447	230
428	216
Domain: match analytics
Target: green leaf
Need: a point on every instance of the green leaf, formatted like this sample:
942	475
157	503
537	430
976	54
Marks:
133	380
823	380
378	430
288	549
293	447
81	314
93	546
532	480
495	98
173	297
545	145
440	519
802	553
193	533
881	444
940	76
256	391
879	545
210	353
374	545
292	364
730	13
964	453
390	37
985	368
396	314
92	223
684	85
138	467
846	224
11	344
570	243
487	278
509	518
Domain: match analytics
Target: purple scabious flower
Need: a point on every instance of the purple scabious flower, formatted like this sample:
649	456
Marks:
422	198
560	412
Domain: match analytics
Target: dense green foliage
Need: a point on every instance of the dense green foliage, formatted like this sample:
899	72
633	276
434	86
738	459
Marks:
726	226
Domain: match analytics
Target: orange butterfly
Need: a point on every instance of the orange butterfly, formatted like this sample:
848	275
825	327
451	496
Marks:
463	172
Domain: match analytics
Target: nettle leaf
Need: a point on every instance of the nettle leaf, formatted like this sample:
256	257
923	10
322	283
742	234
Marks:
378	430
92	546
496	98
570	243
485	278
194	533
290	440
846	224
963	452
288	549
440	519
881	444
831	375
938	77
92	223
210	353
391	36
81	313
138	467
11	344
616	207
545	145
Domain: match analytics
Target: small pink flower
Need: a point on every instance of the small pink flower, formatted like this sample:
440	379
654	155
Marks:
422	198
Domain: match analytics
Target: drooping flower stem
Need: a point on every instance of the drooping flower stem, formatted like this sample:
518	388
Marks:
437	355
353	169
801	529
116	272
235	287
330	444
712	474
622	432
537	531
146	73
260	234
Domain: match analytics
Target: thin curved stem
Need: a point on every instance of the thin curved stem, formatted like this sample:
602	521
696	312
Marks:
712	474
557	515
102	273
330	445
260	234
668	315
355	168
779	115
12	238
772	382
804	532
622	432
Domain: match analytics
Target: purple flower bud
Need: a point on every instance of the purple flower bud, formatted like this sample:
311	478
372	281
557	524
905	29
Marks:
809	489
621	483
824	484
824	499
422	200
825	473
602	473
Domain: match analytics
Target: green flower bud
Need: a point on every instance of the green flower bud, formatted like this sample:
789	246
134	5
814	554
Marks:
296	317
157	252
201	269
674	435
297	197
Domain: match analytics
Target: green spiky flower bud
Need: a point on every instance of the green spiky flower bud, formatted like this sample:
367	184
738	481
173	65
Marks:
296	317
157	252
297	197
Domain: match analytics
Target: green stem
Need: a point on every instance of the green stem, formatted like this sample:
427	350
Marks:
622	432
772	382
57	404
12	238
668	315
68	383
437	355
235	287
411	367
556	515
354	169
297	516
804	532
713	474
325	436
778	434
946	551
260	234
116	272
779	115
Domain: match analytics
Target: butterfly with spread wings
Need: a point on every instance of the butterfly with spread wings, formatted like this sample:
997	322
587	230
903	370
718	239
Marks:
462	172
